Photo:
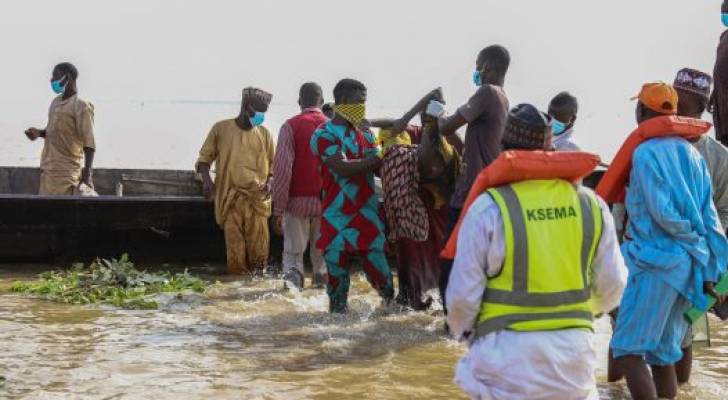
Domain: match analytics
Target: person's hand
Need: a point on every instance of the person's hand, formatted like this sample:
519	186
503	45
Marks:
435	109
208	189
709	288
436	94
86	177
278	224
32	133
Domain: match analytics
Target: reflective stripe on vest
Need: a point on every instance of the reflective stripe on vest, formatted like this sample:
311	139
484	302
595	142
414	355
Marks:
507	300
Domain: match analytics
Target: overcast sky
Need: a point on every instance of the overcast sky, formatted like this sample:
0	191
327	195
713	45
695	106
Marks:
150	66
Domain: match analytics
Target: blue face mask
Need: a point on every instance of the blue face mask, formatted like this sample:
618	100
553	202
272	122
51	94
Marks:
476	78
557	127
57	86
724	18
257	119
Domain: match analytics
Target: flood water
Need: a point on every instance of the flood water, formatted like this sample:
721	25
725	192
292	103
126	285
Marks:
253	340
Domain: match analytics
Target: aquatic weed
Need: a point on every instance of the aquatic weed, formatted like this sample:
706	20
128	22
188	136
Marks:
115	282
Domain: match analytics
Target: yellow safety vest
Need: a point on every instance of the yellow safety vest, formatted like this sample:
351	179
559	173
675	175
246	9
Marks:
552	229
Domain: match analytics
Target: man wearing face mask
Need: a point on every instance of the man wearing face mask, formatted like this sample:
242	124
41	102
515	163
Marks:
563	109
719	99
69	136
350	222
485	114
242	150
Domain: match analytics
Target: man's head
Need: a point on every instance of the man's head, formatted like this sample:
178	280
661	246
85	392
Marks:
693	90
310	95
492	65
255	104
63	77
350	97
563	108
527	128
724	7
328	110
655	99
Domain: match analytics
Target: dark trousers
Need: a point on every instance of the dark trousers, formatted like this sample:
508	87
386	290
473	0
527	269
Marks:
446	265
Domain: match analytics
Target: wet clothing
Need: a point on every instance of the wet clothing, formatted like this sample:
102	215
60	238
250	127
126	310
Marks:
650	321
486	113
507	364
70	128
565	141
299	234
243	161
673	243
375	267
719	98
716	157
350	223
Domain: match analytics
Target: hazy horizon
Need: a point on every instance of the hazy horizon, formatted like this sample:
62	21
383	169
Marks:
161	73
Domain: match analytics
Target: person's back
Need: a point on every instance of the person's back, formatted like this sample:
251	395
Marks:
669	187
306	181
525	309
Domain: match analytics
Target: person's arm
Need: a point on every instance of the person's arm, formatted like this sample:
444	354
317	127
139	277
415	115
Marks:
349	168
478	103
208	154
400	124
282	169
608	272
468	279
85	120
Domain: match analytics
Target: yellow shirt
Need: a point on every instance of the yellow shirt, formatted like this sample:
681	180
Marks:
243	162
385	139
70	128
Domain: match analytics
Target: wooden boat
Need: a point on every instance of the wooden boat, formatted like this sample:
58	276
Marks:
150	214
154	215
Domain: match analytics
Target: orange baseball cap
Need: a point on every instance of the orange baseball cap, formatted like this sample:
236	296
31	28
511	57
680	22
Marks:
659	97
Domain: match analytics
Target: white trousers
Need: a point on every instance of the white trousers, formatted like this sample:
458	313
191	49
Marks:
298	234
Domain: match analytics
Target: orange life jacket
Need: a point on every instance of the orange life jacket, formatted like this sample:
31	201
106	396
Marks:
612	185
521	165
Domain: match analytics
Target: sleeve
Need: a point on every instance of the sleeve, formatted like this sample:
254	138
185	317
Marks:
208	152
324	144
85	121
477	104
282	169
715	235
468	277
608	272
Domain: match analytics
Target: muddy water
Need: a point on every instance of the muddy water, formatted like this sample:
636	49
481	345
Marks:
252	341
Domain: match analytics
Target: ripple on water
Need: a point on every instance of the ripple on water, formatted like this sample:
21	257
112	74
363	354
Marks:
252	340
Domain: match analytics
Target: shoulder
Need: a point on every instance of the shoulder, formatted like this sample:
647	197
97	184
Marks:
482	205
225	123
263	131
326	131
81	105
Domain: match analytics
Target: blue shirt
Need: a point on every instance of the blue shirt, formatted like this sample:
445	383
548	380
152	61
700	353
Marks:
674	231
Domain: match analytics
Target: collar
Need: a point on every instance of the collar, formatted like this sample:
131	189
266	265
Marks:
311	109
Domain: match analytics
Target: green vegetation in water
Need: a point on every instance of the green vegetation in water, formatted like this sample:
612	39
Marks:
115	282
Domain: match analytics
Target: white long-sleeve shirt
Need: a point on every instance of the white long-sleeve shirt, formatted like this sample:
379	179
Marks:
524	365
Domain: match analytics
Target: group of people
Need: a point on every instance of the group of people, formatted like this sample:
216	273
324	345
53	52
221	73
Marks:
530	256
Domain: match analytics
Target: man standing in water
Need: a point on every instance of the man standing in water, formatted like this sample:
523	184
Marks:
350	224
529	322
563	109
297	189
69	136
693	89
242	150
485	114
674	247
719	100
